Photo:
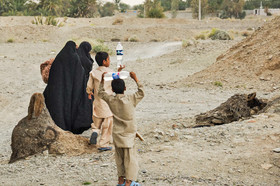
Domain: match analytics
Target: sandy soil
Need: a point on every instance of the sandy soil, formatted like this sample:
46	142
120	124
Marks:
239	153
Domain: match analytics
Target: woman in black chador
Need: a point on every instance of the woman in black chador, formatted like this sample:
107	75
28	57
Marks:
65	94
86	60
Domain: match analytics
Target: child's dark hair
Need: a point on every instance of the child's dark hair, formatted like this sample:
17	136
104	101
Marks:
100	56
118	86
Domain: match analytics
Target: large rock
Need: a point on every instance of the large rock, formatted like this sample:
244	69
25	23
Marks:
37	132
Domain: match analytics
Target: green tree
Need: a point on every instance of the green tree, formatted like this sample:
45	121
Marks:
214	6
107	9
252	4
166	4
50	7
153	9
232	8
124	7
82	8
3	7
117	2
195	8
140	10
174	8
183	5
12	7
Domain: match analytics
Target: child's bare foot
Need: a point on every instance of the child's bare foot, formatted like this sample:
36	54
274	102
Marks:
121	181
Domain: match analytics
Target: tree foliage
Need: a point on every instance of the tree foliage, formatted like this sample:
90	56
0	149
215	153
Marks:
107	9
124	7
214	6
12	7
184	4
233	8
153	9
174	7
71	8
253	4
195	8
82	8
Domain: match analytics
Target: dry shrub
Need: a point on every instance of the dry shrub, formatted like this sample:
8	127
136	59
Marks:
115	39
11	40
133	38
118	22
187	43
200	36
245	33
216	34
154	40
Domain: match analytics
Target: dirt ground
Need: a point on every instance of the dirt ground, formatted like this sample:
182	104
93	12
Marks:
239	153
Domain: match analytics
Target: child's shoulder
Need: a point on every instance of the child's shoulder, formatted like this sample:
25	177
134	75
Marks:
95	73
108	69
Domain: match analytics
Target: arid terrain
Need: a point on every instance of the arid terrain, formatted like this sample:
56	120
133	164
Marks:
180	82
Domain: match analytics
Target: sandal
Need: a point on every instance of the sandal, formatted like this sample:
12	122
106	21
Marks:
121	184
133	183
104	148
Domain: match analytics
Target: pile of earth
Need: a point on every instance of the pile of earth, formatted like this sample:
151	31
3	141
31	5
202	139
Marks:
253	63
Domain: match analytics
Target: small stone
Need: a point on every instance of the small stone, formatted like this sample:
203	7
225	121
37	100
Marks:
174	126
277	150
217	121
46	153
266	166
157	137
104	165
144	171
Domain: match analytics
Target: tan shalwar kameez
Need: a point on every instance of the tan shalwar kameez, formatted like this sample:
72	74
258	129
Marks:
101	114
124	129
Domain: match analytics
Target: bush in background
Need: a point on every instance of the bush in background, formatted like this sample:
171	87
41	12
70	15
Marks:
200	36
50	20
216	34
153	9
133	38
99	46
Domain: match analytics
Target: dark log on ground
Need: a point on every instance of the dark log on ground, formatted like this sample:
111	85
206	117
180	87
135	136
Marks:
37	132
236	107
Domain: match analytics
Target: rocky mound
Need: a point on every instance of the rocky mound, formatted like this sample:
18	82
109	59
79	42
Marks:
236	107
37	133
253	63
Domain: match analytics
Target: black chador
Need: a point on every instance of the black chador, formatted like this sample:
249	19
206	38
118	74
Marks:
65	94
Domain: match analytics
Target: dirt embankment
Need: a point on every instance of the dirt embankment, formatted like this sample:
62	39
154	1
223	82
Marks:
253	63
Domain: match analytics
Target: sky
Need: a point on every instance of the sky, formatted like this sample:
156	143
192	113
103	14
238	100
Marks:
129	2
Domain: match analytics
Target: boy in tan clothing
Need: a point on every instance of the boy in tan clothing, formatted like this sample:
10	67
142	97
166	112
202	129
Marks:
101	113
124	129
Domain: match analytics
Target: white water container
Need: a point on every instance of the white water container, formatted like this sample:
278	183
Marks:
116	75
119	52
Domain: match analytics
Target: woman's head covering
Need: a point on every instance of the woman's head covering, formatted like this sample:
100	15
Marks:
84	54
65	94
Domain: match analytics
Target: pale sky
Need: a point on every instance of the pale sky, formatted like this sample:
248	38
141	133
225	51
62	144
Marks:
129	2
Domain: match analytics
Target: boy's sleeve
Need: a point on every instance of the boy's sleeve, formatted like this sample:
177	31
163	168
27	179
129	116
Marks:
102	94
138	96
90	84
